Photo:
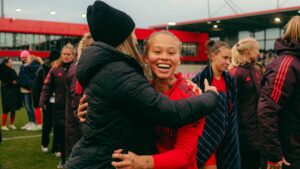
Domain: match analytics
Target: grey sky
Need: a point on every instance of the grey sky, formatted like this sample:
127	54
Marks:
145	12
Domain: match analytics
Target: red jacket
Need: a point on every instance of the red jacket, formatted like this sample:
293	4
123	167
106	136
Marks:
178	147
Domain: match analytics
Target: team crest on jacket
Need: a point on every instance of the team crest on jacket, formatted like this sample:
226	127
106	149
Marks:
248	78
59	74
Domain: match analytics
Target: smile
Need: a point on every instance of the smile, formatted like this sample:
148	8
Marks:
163	66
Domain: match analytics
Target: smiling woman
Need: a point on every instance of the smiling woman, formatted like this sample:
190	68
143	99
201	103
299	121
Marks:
162	53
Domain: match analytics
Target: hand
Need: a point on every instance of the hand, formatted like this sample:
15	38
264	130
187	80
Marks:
194	87
127	160
278	165
131	161
14	82
207	87
82	109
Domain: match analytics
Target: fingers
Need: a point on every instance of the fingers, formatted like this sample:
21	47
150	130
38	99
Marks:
82	112
125	163
82	115
285	162
83	107
83	99
206	84
118	151
207	87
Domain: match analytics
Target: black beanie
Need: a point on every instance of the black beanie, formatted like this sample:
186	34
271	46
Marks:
108	25
54	54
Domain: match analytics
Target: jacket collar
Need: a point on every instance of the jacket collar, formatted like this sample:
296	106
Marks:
95	57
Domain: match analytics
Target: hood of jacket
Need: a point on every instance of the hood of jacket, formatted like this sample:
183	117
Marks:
286	47
95	57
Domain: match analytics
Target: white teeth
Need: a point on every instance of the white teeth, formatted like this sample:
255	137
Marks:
164	66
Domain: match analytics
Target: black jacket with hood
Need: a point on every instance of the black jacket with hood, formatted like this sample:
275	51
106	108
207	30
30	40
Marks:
123	108
279	105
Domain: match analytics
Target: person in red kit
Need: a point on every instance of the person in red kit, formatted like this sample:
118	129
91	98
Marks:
162	53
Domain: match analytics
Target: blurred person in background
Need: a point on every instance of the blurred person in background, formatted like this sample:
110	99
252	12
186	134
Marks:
10	93
55	82
247	77
38	82
74	93
25	81
279	108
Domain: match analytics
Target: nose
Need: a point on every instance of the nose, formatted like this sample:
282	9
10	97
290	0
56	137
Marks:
228	61
164	56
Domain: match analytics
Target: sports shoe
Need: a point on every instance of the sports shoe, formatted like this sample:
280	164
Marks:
4	128
57	154
13	127
44	149
31	127
62	164
39	127
25	126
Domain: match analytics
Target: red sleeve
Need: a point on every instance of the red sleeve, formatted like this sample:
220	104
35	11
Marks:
211	160
185	147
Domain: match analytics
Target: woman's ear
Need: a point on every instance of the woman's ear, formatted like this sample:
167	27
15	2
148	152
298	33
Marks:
179	62
212	57
146	59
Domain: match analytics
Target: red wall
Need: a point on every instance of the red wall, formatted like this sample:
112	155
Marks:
72	29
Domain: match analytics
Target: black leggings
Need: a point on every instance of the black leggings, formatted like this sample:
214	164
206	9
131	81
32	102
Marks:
60	132
47	127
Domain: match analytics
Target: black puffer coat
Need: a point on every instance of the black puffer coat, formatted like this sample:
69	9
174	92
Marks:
123	108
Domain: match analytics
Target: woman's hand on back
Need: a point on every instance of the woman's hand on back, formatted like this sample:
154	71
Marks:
82	109
195	88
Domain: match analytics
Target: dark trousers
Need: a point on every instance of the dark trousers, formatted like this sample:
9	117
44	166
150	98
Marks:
0	137
60	132
251	159
47	127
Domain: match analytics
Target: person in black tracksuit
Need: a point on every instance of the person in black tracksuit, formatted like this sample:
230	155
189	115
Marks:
279	108
247	77
37	86
123	107
56	82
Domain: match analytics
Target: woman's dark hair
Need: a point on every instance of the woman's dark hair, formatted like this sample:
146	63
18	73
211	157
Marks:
214	46
5	60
